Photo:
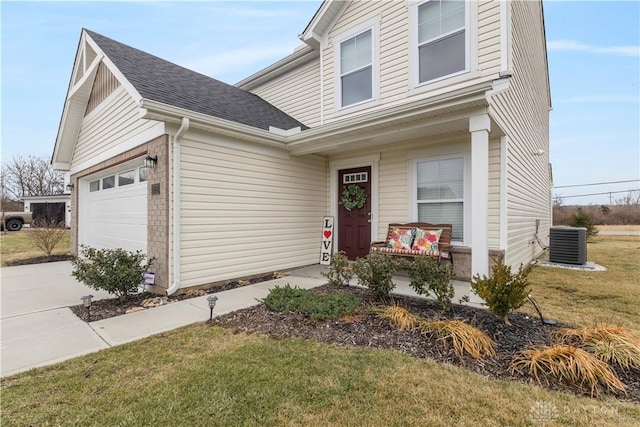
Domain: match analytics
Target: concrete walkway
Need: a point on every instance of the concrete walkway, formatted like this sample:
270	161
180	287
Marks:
39	332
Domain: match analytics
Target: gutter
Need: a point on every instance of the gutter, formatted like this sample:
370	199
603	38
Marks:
184	126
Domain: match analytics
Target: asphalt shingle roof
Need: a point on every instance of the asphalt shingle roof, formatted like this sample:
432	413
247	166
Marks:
162	81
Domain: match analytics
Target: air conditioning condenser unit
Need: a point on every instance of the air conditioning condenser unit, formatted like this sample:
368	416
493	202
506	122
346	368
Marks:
568	245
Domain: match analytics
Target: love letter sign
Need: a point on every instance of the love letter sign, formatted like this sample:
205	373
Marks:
327	240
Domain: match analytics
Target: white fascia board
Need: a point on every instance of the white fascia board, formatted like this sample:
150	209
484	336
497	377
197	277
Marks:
321	22
61	166
155	110
322	135
115	71
296	59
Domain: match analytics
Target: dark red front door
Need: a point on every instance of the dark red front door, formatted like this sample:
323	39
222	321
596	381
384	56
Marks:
354	226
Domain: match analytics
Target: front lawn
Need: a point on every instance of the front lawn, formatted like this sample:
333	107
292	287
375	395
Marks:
16	246
206	375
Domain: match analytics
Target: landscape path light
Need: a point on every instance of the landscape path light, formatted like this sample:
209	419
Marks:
86	301
211	299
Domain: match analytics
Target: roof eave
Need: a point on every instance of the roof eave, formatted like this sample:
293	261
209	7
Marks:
154	110
321	21
299	57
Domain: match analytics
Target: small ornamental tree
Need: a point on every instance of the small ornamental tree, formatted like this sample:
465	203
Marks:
116	271
582	219
503	291
46	234
375	271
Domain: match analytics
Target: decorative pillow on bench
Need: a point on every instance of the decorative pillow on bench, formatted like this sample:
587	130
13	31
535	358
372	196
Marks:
426	240
401	238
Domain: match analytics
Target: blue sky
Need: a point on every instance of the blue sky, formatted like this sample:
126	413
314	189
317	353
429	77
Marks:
593	49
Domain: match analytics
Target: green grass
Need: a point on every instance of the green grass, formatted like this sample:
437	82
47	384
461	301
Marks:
204	375
15	245
580	298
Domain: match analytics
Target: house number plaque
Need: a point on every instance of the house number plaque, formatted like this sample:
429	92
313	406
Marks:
155	189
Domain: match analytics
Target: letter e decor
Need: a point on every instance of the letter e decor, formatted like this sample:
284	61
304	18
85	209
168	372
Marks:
327	240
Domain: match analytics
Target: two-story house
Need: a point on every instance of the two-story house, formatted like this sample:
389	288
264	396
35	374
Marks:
438	110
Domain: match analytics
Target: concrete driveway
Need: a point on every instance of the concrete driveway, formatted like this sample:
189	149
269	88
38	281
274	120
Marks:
37	327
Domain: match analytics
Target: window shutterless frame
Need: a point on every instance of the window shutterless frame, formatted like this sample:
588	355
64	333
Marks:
357	66
440	40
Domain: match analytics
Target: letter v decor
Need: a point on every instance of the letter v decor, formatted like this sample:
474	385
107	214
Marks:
327	240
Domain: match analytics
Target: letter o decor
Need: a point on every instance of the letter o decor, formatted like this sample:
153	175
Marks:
353	196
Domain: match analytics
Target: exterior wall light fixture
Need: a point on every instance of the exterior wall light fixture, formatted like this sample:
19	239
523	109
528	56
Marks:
150	161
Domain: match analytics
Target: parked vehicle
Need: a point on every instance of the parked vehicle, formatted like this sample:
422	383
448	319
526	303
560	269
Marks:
13	221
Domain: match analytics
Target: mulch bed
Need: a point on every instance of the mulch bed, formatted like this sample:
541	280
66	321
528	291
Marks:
39	260
368	330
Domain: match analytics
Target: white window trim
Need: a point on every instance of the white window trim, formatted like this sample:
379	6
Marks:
466	198
374	26
470	44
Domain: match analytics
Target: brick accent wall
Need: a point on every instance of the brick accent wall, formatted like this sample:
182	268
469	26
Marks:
157	204
462	261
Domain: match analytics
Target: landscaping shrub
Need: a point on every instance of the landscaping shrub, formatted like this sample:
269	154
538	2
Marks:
581	219
340	273
46	235
503	291
116	271
375	271
611	344
427	276
569	365
315	307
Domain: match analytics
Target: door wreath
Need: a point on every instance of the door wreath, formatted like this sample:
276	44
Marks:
353	196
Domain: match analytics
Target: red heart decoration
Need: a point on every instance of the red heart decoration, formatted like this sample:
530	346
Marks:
327	234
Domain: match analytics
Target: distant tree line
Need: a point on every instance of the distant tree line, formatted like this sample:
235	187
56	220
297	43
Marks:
28	176
625	211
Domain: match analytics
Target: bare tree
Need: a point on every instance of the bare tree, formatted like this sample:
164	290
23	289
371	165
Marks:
46	234
30	176
631	199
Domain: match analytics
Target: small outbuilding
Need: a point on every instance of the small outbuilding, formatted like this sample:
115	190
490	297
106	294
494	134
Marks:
57	207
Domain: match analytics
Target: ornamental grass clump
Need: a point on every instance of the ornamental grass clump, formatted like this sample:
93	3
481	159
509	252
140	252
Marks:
464	337
340	273
375	271
504	291
612	344
568	365
399	317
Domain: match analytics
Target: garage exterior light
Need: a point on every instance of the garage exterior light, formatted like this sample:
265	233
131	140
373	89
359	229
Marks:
150	161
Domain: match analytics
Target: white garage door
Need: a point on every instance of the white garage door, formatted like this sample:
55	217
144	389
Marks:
113	213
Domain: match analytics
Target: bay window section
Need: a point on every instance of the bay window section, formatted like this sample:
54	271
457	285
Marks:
356	69
440	193
442	39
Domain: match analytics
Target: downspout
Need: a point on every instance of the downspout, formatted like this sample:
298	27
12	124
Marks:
184	126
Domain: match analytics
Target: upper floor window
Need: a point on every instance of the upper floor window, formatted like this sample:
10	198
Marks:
442	39
356	69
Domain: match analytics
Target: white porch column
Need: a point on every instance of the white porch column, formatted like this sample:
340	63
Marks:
479	127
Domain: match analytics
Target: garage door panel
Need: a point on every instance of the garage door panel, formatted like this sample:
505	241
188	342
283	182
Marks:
115	217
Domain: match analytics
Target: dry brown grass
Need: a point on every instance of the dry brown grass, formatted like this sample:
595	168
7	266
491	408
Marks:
569	365
464	337
399	317
609	343
579	298
16	245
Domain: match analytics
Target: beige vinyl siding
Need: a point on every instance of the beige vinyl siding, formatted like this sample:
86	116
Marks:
394	67
297	93
394	169
245	213
489	36
104	84
523	112
115	121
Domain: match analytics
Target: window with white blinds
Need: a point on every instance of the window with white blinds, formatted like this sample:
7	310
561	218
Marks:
440	193
356	69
